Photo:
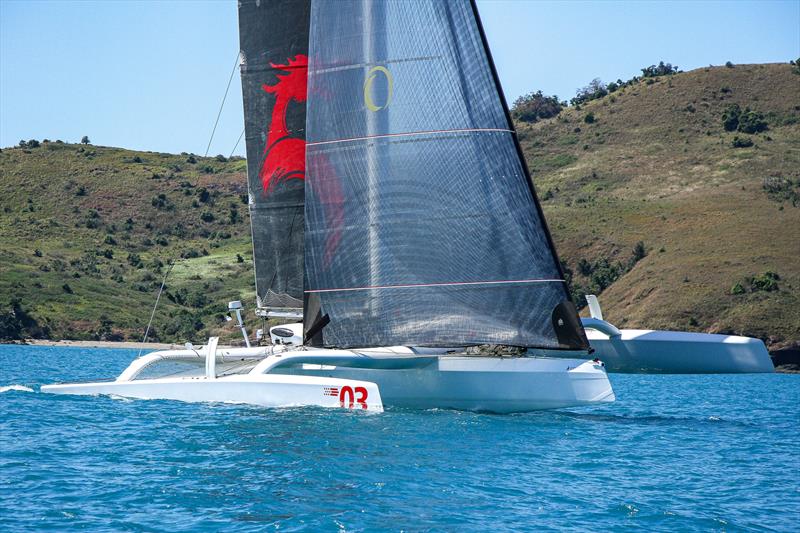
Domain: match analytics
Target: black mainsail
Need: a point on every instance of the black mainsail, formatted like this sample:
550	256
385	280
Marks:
274	50
421	222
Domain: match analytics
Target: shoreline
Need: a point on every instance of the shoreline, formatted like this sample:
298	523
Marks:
128	345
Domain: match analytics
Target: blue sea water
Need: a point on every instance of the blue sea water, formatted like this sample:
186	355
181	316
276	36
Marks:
677	453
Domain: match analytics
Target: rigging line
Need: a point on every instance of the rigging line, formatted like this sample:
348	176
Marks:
219	113
237	144
163	283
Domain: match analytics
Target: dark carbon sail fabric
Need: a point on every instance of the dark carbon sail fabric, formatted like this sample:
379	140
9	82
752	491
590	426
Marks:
421	227
274	47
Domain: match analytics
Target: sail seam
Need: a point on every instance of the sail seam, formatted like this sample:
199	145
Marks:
445	284
408	134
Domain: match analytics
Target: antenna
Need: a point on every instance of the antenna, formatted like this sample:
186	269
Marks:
236	306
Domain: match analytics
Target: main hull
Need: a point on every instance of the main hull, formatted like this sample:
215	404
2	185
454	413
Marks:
492	384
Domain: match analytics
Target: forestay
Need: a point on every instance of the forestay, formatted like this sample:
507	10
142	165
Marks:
421	223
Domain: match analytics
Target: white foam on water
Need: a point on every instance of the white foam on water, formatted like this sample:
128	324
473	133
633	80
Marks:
118	398
19	388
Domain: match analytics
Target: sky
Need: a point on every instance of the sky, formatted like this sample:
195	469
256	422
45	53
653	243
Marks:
150	75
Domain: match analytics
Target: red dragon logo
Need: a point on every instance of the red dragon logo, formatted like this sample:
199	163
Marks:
284	155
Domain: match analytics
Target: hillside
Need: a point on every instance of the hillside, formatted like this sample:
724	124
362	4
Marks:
88	230
657	166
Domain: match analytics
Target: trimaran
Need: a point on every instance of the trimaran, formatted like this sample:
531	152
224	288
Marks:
393	213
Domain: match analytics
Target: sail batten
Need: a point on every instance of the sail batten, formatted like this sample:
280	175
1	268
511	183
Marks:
421	226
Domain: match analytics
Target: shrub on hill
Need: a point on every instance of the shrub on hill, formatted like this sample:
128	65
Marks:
747	121
596	89
730	117
534	106
782	189
17	324
662	69
601	273
752	122
768	281
741	142
162	202
135	260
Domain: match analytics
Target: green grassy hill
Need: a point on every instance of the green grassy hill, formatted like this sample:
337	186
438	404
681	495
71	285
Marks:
87	231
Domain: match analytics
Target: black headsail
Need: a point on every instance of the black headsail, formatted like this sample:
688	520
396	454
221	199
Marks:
422	226
273	37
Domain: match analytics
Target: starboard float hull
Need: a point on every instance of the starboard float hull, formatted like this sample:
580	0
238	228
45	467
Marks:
678	352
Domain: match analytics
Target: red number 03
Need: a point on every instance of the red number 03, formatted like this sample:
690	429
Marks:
349	397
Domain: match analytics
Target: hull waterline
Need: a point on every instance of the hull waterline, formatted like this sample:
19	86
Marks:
275	391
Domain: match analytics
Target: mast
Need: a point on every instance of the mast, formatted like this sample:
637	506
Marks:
376	121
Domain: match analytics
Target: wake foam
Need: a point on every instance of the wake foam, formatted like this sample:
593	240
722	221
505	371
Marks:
19	388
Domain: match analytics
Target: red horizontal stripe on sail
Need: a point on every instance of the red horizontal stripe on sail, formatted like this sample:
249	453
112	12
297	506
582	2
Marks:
429	132
446	284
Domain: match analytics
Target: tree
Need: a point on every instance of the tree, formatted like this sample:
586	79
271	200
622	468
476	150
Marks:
662	69
85	139
730	117
596	89
534	106
752	122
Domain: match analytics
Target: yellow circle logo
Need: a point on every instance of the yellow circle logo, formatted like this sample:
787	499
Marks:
371	75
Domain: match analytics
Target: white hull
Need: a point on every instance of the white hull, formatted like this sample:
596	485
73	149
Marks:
494	384
363	380
675	352
263	390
